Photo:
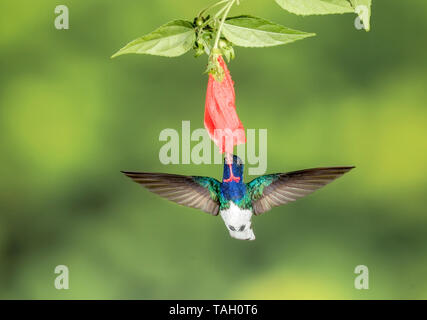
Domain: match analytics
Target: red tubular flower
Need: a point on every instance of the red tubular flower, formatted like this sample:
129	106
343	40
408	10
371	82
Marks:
221	120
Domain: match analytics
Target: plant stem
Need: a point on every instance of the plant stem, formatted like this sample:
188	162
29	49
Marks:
220	11
227	11
211	7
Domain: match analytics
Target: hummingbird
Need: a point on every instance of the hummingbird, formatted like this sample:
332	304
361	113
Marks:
235	201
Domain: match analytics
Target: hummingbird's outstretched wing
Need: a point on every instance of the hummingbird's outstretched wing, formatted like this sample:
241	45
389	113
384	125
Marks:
274	190
191	191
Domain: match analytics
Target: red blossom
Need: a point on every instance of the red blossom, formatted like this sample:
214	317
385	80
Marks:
221	120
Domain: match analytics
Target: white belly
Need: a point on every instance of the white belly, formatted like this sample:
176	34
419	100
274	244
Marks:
238	222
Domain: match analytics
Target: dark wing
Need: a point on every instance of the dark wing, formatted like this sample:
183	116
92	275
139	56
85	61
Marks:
191	191
274	190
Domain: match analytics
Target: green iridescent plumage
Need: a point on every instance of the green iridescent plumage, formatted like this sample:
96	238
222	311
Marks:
214	187
256	186
211	184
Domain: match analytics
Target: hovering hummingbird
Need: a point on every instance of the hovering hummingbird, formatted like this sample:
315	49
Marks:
234	200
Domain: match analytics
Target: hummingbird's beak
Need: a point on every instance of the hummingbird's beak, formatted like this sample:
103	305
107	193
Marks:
229	158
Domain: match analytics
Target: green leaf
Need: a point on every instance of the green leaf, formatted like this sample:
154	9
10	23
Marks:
248	31
310	7
363	9
170	40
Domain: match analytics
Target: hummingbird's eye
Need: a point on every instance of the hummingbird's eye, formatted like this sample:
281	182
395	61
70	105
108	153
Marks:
242	227
231	228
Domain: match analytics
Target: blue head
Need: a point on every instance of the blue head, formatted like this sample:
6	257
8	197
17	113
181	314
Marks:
232	182
233	170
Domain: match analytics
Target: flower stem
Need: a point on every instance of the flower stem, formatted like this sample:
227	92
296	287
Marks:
220	11
211	7
227	11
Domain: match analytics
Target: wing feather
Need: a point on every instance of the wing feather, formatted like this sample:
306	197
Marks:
191	191
278	189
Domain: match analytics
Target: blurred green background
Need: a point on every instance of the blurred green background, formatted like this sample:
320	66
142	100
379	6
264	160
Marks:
71	119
